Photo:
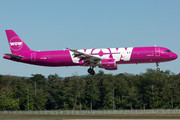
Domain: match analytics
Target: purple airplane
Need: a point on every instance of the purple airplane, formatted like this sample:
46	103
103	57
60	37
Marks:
106	58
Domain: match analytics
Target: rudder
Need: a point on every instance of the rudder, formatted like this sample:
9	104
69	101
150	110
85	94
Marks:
15	43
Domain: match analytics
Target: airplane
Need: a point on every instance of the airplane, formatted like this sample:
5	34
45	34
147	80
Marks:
107	58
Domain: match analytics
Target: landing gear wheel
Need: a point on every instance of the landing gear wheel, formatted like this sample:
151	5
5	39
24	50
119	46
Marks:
158	69
91	71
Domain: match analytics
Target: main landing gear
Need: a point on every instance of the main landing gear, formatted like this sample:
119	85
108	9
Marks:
91	71
157	64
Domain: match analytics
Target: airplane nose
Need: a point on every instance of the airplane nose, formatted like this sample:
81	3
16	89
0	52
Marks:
174	56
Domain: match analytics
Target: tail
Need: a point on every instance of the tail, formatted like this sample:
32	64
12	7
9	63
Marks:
15	43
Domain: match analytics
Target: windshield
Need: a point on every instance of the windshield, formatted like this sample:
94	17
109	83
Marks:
168	51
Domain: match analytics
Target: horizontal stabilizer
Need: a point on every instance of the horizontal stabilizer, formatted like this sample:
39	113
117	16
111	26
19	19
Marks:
14	56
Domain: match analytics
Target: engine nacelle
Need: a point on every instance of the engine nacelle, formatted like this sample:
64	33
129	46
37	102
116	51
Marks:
108	64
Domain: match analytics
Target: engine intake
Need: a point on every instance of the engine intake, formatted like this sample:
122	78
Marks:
108	64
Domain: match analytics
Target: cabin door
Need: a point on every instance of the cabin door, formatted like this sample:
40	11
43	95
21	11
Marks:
33	56
157	51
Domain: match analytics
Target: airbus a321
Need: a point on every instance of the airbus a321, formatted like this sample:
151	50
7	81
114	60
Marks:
107	58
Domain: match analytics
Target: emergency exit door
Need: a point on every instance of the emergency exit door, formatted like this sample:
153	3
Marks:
157	51
33	56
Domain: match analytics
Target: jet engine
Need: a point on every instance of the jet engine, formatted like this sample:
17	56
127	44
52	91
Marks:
108	64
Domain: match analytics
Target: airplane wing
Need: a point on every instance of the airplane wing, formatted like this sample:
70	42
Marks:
85	57
14	56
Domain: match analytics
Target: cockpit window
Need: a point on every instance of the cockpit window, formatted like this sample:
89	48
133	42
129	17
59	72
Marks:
167	50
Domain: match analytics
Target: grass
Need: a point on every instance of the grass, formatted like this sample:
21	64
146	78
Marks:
39	116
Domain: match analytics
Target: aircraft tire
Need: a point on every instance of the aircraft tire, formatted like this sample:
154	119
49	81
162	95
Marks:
158	69
91	71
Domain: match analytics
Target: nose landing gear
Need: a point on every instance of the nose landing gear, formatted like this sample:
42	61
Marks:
91	71
157	64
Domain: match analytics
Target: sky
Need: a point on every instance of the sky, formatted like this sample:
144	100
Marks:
85	24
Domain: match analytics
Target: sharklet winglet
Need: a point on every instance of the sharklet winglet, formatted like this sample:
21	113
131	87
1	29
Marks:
68	48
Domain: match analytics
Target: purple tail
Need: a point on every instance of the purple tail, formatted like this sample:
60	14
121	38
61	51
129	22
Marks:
15	43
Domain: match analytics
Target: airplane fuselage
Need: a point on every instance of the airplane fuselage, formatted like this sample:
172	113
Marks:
121	55
106	58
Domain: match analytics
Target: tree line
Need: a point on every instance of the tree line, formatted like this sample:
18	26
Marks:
149	90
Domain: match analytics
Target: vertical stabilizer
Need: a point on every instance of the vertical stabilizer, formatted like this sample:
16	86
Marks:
15	43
